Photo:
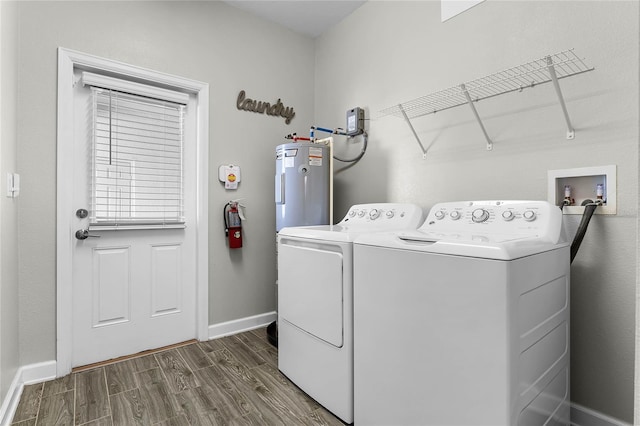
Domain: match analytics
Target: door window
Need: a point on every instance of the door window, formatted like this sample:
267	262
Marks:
136	162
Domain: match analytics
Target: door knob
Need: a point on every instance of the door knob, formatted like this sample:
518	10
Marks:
83	234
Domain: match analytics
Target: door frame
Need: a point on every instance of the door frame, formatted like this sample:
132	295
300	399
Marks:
68	61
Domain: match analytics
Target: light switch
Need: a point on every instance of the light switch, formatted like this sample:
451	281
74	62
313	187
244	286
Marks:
13	185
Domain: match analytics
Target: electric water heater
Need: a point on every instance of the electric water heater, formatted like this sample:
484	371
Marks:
302	184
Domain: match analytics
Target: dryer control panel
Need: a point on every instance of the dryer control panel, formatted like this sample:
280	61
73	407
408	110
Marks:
378	215
506	218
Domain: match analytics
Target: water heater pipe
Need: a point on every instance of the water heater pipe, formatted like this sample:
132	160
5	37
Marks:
297	138
325	130
341	132
329	141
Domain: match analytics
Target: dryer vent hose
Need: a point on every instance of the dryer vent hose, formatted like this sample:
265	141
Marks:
589	208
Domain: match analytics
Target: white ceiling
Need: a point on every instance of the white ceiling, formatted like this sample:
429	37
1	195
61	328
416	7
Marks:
307	17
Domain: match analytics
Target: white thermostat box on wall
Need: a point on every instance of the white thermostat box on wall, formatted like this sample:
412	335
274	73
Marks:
583	184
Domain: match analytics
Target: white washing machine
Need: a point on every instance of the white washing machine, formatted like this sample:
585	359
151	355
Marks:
464	321
315	300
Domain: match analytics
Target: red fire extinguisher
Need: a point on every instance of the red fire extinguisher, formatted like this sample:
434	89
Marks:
233	224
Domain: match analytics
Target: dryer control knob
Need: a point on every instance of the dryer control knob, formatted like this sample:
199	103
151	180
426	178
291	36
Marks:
389	214
479	215
529	215
361	213
455	215
508	215
374	214
352	213
439	214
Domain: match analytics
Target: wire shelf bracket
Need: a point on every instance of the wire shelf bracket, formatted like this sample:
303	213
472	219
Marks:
475	113
550	68
404	114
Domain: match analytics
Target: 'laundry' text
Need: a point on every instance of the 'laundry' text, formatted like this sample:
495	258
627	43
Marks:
277	109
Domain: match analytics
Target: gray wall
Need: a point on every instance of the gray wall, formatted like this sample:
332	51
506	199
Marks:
385	53
206	41
9	357
392	52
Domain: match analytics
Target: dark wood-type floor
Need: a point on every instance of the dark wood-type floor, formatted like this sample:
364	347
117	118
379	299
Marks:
229	381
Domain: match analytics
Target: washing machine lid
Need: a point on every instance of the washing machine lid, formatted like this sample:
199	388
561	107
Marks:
362	219
502	230
485	246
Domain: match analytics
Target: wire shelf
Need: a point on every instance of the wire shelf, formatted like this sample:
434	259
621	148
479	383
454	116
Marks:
514	79
551	68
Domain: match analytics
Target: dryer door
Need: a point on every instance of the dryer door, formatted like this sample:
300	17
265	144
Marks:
310	289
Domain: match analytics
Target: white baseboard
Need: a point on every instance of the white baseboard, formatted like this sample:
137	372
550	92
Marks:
38	373
243	324
26	375
10	403
583	416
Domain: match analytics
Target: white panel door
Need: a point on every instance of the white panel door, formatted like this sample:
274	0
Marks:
133	290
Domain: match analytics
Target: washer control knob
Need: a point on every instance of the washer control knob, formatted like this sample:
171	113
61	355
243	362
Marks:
352	213
361	213
508	215
389	214
529	215
440	215
374	214
479	215
455	215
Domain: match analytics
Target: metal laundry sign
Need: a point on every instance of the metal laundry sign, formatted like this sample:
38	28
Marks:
276	109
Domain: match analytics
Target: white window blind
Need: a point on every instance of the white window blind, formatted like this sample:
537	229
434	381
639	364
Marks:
137	161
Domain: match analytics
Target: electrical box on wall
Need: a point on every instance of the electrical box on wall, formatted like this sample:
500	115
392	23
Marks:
571	187
355	121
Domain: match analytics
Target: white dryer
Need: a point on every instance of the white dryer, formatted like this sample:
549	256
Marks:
315	300
464	321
